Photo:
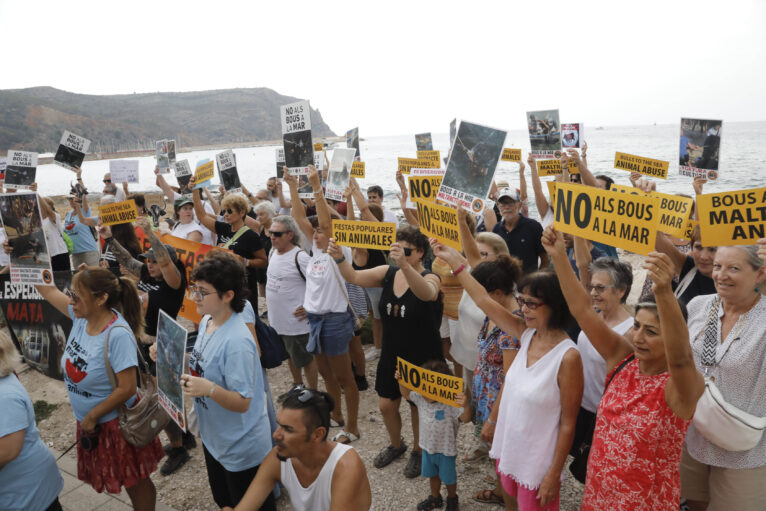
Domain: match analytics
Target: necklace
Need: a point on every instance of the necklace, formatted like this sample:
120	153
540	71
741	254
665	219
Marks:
206	338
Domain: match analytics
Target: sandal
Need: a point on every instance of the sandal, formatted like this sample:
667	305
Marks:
350	437
476	455
337	424
389	454
489	497
431	503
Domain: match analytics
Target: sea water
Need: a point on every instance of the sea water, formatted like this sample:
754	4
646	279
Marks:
743	145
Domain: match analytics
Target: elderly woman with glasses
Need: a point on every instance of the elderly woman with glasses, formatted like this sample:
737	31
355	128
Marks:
238	232
226	381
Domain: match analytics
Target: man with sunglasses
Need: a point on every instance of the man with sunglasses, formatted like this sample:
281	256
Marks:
317	473
111	188
522	235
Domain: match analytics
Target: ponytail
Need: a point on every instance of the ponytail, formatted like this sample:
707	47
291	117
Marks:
130	306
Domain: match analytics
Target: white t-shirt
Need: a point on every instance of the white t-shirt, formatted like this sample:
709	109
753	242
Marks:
594	368
285	291
208	238
183	230
277	206
324	292
56	243
389	216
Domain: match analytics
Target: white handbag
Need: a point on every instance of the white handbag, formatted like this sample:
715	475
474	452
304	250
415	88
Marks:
721	423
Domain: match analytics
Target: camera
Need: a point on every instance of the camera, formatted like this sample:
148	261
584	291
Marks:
89	441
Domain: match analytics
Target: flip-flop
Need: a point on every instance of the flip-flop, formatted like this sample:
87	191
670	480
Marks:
488	496
350	437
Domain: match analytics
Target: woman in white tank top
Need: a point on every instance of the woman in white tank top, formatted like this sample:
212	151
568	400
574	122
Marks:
536	418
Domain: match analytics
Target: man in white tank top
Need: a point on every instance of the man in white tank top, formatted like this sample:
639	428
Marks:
317	473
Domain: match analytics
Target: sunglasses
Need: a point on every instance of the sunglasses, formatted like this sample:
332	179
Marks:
72	295
197	291
107	180
407	251
229	211
277	234
529	305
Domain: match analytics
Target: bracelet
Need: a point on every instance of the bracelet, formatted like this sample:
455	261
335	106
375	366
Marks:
212	389
318	192
455	273
491	421
339	261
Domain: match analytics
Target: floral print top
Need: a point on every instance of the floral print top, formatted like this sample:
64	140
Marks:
489	375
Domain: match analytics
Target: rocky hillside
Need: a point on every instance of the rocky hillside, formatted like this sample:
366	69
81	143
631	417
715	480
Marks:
34	119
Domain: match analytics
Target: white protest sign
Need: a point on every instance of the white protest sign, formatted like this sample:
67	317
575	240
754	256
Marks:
124	171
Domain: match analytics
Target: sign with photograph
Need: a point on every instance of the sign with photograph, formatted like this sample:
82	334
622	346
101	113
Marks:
572	135
352	140
339	172
30	260
71	151
171	348
20	169
183	176
423	142
700	144
227	170
296	137
544	133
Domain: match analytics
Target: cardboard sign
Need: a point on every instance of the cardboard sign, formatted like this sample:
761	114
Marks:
699	148
675	211
296	137
352	141
572	135
433	156
440	222
646	166
71	151
544	133
548	167
227	170
471	166
280	161
183	175
511	154
318	147
407	164
339	173
620	220
171	349
20	169
204	172
691	224
437	386
118	213
3	164
631	190
423	142
375	235
357	170
30	259
424	188
165	155
124	171
732	218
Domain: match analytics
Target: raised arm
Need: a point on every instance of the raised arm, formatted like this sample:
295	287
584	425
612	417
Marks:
611	345
582	259
199	208
537	187
85	220
585	173
686	384
298	212
170	271
502	317
323	209
470	247
409	214
53	296
349	195
372	277
286	204
663	244
213	203
424	288
361	202
120	253
699	182
522	183
164	186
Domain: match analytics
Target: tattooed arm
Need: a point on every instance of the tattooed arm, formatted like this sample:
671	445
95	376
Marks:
123	256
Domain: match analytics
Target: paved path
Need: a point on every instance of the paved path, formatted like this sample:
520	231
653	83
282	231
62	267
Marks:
79	496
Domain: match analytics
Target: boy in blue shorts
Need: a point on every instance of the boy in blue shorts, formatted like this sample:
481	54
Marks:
438	440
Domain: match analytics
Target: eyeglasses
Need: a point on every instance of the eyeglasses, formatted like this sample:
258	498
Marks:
507	203
597	288
72	295
229	211
484	255
197	291
277	234
107	180
529	305
407	251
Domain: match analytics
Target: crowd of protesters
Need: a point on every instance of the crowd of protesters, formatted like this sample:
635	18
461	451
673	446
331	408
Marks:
560	370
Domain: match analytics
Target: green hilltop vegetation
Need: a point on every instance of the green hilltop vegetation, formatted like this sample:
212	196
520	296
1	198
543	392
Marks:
33	119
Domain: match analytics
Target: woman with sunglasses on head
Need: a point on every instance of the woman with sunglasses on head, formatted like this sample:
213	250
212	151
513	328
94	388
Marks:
226	382
533	427
103	306
650	395
331	323
238	232
411	312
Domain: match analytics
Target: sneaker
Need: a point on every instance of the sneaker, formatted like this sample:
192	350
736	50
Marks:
389	454
372	354
413	465
361	382
431	503
292	389
452	504
176	459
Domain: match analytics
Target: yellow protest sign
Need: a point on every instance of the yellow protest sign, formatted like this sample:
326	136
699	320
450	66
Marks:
642	165
405	164
548	167
432	156
376	235
440	222
357	169
691	224
627	189
732	218
430	384
552	193
424	187
620	220
511	154
318	146
204	172
675	211
118	213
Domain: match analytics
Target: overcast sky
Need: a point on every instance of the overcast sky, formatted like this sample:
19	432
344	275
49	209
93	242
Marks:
406	67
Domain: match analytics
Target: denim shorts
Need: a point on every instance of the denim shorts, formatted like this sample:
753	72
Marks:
439	465
330	333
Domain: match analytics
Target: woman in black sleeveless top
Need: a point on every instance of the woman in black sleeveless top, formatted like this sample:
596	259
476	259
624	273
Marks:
411	310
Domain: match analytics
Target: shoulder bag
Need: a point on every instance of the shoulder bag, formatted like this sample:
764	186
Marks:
141	423
722	423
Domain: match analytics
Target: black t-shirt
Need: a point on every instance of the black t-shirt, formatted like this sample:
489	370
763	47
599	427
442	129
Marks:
375	258
244	246
161	296
700	285
524	241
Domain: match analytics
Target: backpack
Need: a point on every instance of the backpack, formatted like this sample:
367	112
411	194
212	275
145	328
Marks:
273	352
